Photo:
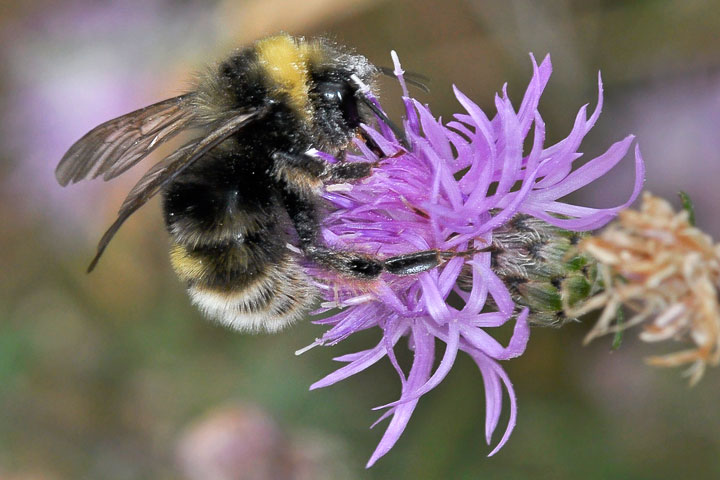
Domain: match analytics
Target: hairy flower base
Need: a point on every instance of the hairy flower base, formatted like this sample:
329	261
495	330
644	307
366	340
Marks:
542	268
455	189
655	263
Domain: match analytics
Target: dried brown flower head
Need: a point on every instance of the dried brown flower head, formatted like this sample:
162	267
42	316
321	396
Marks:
658	265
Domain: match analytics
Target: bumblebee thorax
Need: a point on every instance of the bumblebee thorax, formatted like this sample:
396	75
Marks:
285	63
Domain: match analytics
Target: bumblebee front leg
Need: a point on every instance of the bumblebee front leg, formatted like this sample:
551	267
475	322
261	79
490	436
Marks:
297	171
304	217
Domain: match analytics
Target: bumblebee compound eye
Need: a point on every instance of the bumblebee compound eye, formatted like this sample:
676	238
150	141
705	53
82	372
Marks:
339	95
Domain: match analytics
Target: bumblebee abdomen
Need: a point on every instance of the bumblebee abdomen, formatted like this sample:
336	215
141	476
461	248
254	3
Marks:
229	243
248	286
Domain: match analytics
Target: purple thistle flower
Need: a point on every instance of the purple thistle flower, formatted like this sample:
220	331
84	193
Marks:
458	183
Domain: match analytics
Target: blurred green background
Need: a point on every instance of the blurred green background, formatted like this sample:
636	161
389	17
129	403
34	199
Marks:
116	376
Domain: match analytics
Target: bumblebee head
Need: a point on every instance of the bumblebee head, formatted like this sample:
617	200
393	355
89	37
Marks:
337	100
325	84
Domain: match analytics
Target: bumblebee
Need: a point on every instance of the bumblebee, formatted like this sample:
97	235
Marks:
247	185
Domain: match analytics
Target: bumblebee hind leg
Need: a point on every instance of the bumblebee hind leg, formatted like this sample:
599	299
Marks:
366	266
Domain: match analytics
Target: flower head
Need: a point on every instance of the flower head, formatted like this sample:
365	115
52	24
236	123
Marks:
656	263
457	184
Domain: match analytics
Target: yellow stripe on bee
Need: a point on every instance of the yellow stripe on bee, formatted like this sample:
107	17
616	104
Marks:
186	266
286	63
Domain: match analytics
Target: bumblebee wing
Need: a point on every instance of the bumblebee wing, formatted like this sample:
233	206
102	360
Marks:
170	167
115	146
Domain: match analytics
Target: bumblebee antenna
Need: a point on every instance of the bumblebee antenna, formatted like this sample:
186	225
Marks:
362	94
417	80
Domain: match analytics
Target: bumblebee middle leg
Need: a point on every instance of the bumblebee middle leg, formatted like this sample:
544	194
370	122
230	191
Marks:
303	214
